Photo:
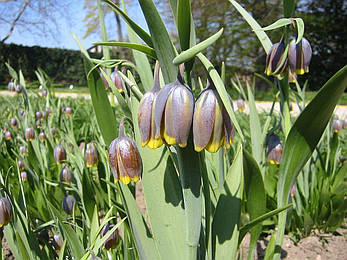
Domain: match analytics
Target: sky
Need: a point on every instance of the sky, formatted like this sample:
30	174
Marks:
74	23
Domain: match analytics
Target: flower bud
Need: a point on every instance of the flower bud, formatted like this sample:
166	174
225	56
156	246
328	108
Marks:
117	80
14	122
44	93
125	159
91	156
38	115
299	56
23	150
68	111
42	137
20	165
53	132
19	89
29	134
57	242
38	123
8	135
68	204
337	126
146	115
276	60
173	113
24	176
212	126
65	176
5	212
59	154
112	240
241	104
274	149
10	86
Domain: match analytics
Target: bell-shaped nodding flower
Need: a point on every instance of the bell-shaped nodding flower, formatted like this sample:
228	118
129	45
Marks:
29	134
65	176
24	176
299	56
14	122
117	80
23	150
146	115
276	61
8	135
68	111
44	93
173	112
39	115
59	154
20	165
112	240
241	104
125	159
19	89
337	126
53	132
5	212
68	204
212	126
274	149
91	156
42	137
10	86
57	242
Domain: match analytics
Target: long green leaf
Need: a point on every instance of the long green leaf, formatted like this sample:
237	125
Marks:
139	31
135	46
278	24
262	36
193	51
103	110
256	197
162	44
225	225
183	23
304	137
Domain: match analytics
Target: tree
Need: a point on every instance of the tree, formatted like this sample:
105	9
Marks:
36	16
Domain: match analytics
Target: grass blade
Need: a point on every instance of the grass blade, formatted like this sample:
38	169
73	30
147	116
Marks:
135	46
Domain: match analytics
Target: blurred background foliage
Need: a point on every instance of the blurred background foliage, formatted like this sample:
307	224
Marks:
238	47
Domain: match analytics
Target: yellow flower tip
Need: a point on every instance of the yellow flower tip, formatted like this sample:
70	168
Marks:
155	143
120	91
213	147
336	131
198	148
182	145
115	181
169	139
135	178
91	165
125	179
58	163
300	71
274	162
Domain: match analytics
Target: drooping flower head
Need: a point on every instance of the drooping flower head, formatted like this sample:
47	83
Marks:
173	112
299	56
91	156
212	126
68	204
146	118
125	159
59	154
29	134
276	59
337	126
274	149
5	212
112	240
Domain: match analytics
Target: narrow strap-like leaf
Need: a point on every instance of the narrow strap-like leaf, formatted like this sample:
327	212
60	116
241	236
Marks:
139	47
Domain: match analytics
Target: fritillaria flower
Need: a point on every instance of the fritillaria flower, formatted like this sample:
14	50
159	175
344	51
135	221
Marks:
29	134
43	236
125	159
53	132
57	241
276	60
38	123
19	89
59	154
5	212
68	111
14	122
23	150
117	80
274	149
212	126
345	123
20	165
337	126
299	56
91	156
38	115
68	204
65	176
24	176
173	113
21	112
146	115
42	137
240	104
44	93
48	111
8	135
10	86
112	240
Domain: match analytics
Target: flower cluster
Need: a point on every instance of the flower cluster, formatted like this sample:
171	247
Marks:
166	116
